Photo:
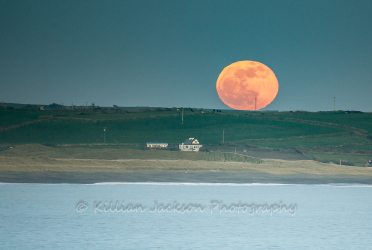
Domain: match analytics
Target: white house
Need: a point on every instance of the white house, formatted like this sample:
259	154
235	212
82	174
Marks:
157	144
190	144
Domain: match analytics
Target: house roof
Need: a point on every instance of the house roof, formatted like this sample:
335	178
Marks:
191	141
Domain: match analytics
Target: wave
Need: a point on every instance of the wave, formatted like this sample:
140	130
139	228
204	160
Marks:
189	184
228	184
199	184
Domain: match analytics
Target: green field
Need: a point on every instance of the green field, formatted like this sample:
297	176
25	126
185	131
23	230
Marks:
336	141
326	136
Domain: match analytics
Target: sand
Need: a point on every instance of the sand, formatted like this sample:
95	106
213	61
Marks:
66	170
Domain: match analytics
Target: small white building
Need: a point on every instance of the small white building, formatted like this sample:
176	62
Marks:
157	144
190	144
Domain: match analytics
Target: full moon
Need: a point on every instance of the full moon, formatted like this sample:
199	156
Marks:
247	85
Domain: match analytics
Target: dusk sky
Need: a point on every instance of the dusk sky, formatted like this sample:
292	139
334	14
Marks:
169	53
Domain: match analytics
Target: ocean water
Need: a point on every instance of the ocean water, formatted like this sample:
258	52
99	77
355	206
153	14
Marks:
185	216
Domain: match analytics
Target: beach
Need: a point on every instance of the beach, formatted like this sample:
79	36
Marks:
62	170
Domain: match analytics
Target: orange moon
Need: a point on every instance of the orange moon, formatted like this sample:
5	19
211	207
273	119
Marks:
247	85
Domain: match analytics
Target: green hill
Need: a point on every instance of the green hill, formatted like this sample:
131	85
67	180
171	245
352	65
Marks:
324	136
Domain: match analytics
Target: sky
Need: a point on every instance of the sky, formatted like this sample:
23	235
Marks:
169	53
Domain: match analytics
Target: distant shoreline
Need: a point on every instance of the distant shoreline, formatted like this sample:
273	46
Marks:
89	171
177	177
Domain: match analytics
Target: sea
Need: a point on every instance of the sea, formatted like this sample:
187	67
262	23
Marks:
185	216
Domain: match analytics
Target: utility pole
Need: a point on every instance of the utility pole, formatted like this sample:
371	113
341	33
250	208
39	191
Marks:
104	135
334	103
255	104
182	116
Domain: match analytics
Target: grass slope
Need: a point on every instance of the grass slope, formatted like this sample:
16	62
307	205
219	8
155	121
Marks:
324	136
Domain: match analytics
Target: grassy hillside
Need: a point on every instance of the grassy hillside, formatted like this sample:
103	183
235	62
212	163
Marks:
324	136
157	126
40	151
